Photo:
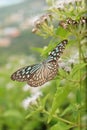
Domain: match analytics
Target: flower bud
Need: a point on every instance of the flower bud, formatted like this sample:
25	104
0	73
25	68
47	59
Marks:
34	30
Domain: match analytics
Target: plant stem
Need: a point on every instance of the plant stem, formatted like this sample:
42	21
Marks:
79	117
61	119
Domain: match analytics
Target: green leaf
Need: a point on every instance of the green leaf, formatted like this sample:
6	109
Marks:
50	47
44	100
78	96
32	114
70	108
77	67
12	113
61	126
60	96
63	33
37	49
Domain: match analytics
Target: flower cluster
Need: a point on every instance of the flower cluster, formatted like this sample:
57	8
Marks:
65	24
31	100
43	26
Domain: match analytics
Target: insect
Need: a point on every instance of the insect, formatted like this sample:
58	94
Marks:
38	74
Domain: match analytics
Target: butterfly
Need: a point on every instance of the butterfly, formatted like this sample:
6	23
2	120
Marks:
38	74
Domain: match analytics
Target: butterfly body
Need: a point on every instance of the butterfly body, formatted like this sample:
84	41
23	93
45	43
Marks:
38	74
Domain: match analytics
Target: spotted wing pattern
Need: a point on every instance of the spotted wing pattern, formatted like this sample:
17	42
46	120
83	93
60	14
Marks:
38	74
45	73
57	51
25	73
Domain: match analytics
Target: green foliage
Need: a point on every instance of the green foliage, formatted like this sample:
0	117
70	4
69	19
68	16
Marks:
60	126
61	105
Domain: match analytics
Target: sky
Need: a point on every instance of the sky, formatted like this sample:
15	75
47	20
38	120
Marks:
9	2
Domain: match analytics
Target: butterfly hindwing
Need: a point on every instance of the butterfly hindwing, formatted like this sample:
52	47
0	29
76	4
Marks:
46	72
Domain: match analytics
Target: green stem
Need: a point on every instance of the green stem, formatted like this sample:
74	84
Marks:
79	117
86	86
61	119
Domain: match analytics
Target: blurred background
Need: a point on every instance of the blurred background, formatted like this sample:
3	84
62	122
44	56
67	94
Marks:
16	42
16	22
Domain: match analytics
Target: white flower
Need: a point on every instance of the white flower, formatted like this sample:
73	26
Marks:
26	87
26	102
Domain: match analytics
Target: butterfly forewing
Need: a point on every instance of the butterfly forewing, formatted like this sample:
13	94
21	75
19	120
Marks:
56	53
38	74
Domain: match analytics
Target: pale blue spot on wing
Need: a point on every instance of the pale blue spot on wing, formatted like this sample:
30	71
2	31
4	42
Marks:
35	68
29	68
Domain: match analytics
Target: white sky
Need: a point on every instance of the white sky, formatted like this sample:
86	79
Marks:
8	2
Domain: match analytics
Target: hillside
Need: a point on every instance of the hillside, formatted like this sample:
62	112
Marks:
30	7
23	43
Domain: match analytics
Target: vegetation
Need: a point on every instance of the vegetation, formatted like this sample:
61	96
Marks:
60	104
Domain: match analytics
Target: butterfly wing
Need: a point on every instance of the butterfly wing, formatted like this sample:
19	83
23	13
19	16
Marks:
51	70
36	75
25	73
57	51
45	73
37	78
